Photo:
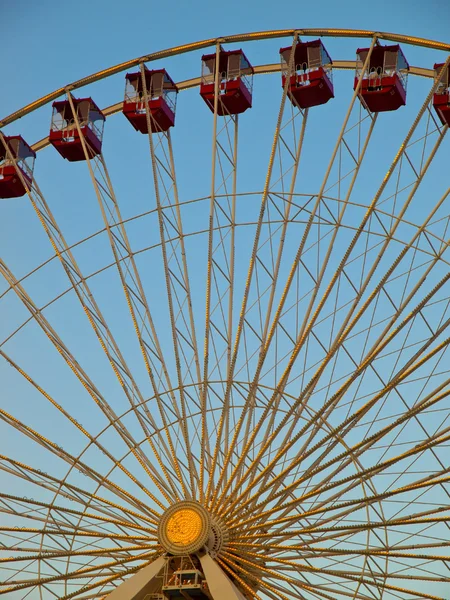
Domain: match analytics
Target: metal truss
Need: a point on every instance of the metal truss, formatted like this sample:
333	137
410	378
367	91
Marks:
300	393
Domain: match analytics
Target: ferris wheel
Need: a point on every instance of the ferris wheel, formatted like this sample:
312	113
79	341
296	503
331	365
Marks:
225	332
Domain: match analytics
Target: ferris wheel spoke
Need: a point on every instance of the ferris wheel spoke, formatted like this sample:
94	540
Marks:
97	596
351	575
234	566
415	311
219	278
276	238
389	236
357	156
419	174
274	587
62	526
290	440
428	518
96	320
318	217
289	146
288	588
368	278
339	531
254	271
172	236
349	534
175	267
327	408
34	515
328	502
278	576
342	575
82	376
66	535
254	573
351	506
328	505
285	565
137	304
102	582
226	566
335	346
411	412
73	461
270	333
80	573
34	506
318	551
31	553
315	592
352	452
61	453
70	492
92	440
62	491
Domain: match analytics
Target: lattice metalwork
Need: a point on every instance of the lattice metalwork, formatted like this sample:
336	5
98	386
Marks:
252	379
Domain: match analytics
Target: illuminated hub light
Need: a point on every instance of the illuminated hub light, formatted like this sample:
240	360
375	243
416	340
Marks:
184	528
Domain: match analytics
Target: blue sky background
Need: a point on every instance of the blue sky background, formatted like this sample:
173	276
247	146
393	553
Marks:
48	44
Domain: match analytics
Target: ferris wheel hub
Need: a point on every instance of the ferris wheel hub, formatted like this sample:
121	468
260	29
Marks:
187	527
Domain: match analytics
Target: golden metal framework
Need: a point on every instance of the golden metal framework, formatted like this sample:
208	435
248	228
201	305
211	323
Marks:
302	453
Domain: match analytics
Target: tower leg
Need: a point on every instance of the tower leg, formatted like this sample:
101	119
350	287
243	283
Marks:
220	586
140	584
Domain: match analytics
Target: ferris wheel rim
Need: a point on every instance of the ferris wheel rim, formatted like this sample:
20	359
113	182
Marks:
199	45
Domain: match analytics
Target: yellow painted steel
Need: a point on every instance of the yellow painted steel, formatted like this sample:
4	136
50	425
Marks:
30	469
307	568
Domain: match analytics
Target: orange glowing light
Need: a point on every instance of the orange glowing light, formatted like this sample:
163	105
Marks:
184	527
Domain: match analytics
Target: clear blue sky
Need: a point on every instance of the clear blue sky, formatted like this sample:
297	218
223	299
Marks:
47	44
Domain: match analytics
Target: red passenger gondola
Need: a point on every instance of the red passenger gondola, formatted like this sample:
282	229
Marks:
64	134
441	98
383	86
162	97
310	81
21	155
235	82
